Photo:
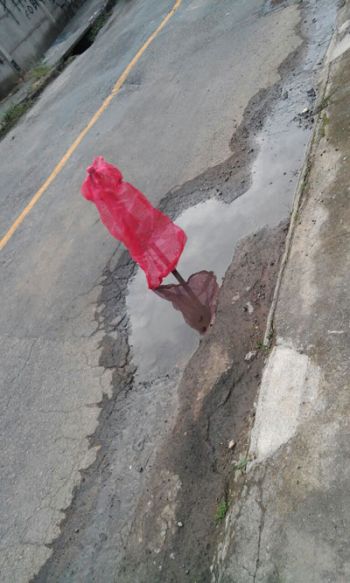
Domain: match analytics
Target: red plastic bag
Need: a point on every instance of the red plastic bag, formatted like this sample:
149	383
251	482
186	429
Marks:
153	240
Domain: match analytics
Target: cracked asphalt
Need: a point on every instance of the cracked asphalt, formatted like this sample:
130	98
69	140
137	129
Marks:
81	439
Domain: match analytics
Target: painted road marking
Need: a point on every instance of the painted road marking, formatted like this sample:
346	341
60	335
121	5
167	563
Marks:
61	164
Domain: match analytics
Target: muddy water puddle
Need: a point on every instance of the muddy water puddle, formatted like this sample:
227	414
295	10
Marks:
161	341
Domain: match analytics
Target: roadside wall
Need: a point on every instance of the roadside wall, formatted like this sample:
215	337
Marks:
27	27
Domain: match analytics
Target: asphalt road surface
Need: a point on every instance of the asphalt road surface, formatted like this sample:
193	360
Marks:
90	362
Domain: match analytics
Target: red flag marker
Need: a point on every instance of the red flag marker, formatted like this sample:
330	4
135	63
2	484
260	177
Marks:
153	240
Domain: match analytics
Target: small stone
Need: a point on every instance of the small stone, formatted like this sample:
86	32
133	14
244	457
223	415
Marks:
231	444
285	95
180	524
250	355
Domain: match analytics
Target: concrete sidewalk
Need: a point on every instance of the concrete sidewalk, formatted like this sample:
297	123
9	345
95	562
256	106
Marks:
54	58
291	522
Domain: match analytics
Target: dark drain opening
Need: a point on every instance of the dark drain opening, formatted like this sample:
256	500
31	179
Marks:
83	44
90	35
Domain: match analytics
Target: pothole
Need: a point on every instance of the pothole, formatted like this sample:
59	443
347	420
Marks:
220	216
216	401
214	228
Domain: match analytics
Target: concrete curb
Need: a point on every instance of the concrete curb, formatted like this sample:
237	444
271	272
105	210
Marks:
269	332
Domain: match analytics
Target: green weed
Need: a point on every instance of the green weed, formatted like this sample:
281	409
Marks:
324	124
12	115
38	72
14	112
97	25
241	465
221	510
261	346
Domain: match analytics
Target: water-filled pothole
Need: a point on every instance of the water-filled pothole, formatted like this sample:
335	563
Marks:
160	339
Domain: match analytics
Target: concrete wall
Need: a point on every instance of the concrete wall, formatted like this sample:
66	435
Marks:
27	27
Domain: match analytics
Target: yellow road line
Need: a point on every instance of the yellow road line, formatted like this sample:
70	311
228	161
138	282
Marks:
61	164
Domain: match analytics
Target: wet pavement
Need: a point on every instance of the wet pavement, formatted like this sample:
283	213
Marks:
145	417
181	396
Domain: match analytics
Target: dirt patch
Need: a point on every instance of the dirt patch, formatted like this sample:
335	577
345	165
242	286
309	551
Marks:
196	475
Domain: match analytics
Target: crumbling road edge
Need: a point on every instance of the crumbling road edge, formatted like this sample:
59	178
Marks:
298	198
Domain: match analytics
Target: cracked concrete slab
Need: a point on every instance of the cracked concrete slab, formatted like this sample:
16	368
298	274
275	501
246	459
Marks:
289	388
40	475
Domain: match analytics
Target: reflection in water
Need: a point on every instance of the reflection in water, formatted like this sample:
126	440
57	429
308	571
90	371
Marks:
195	298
